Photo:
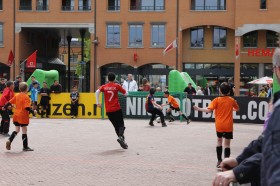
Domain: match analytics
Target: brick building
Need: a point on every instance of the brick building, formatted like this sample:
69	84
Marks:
217	39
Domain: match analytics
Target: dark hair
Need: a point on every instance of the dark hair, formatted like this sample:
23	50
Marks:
225	88
2	79
189	84
34	83
33	77
166	92
23	86
18	77
74	86
55	80
111	76
152	91
9	83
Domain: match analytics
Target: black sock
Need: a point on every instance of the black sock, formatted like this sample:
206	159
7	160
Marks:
219	151
227	152
25	140
13	136
184	116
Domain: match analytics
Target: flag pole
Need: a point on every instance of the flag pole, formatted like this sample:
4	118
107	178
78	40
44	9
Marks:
177	30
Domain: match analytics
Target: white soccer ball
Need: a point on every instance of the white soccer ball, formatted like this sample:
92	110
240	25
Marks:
158	120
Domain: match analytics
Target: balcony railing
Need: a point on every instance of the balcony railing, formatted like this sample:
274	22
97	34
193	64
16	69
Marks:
84	8
25	7
207	8
67	8
114	8
148	8
42	7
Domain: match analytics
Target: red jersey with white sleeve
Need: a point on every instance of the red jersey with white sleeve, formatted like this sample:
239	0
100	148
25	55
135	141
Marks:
110	91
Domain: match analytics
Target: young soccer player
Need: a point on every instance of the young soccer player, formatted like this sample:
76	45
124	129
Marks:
153	108
224	107
74	102
173	106
8	94
34	96
113	108
21	116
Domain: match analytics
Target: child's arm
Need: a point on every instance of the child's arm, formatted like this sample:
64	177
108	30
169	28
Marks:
97	98
202	109
167	103
156	105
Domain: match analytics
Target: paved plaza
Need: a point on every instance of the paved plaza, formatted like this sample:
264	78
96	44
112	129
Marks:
86	152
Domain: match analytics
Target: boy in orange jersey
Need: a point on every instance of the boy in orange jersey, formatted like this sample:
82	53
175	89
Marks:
21	115
224	106
173	106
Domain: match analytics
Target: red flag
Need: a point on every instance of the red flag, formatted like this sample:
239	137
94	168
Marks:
170	47
11	58
31	60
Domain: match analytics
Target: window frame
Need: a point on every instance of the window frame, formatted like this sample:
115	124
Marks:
68	8
2	34
274	44
117	7
197	28
25	7
257	35
113	46
263	5
153	8
43	8
83	7
213	37
164	42
130	43
204	7
1	5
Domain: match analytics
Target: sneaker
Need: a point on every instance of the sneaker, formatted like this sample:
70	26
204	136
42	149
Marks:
151	124
8	145
27	149
219	164
34	117
171	119
72	117
122	142
164	125
188	121
6	134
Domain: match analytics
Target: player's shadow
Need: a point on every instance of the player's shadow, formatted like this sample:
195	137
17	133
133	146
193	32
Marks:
13	153
111	152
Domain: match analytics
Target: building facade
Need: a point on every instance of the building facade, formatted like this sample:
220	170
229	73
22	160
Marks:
217	39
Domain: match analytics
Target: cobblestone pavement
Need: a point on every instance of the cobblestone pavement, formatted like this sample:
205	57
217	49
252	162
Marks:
85	152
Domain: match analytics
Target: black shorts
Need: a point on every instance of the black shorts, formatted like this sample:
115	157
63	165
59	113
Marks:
227	135
177	109
20	125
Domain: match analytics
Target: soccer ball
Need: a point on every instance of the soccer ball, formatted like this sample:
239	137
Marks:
158	120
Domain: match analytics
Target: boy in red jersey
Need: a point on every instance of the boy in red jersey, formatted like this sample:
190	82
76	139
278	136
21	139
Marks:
113	108
8	94
21	115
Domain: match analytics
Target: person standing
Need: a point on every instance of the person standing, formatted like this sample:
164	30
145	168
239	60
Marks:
190	90
8	94
270	90
45	100
21	116
17	82
146	85
207	90
113	108
224	107
33	80
130	84
199	91
74	95
56	87
34	96
2	85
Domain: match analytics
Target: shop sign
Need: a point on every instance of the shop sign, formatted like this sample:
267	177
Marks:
259	52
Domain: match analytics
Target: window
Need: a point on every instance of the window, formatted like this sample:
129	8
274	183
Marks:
114	5
1	34
271	39
113	35
250	39
1	4
135	35
263	4
208	4
42	5
84	5
158	36
25	5
67	5
73	58
219	37
147	5
197	37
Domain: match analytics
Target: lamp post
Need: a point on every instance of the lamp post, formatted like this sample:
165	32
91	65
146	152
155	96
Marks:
69	38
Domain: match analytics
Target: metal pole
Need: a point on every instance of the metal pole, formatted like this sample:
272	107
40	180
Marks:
14	41
95	48
82	33
177	34
69	38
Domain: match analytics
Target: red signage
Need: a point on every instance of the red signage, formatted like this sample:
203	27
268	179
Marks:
258	52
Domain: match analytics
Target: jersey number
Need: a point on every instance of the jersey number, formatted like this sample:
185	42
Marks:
112	95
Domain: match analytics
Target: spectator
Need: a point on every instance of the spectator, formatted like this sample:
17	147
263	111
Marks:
130	84
146	85
33	80
232	87
140	88
199	91
56	87
158	89
190	90
270	90
45	100
34	96
17	82
263	94
207	90
74	96
2	85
